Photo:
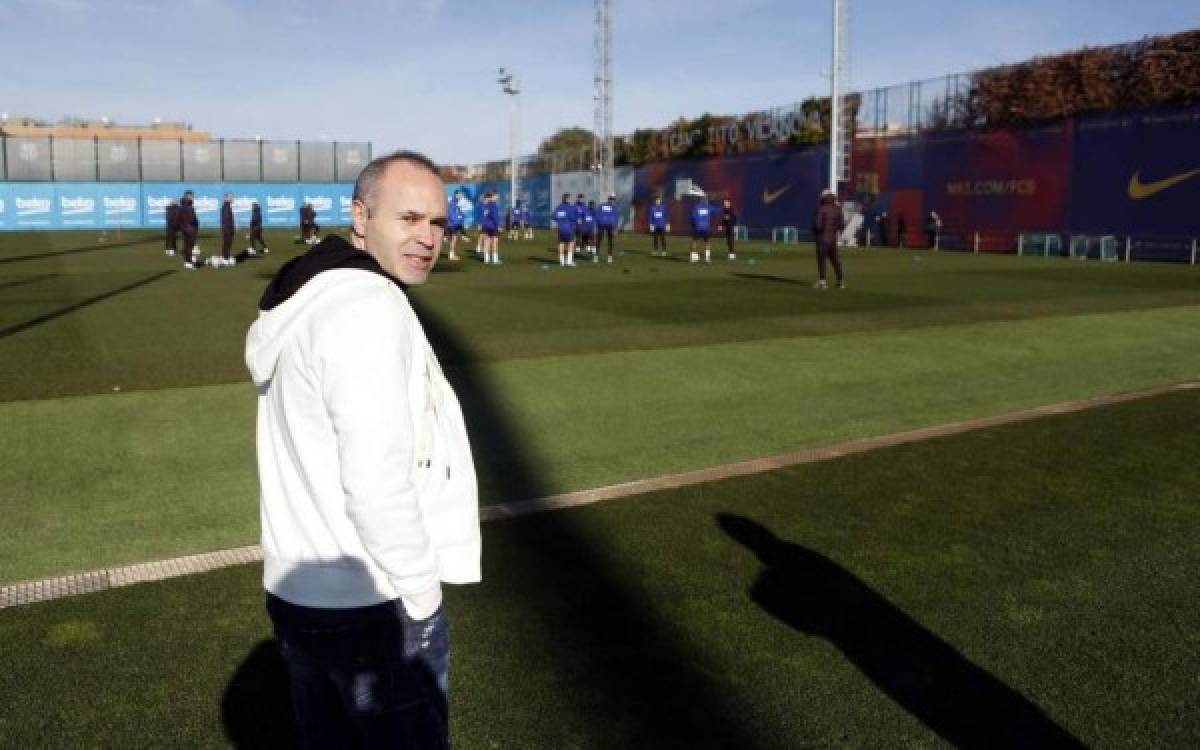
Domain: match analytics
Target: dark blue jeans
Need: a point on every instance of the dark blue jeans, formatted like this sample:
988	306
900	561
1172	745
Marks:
365	677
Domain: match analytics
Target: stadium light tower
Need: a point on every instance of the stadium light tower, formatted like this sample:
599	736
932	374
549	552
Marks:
839	143
602	80
511	86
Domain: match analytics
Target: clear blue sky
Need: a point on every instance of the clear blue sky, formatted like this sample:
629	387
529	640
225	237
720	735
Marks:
421	73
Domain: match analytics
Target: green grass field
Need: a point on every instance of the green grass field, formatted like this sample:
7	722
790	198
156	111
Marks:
1036	575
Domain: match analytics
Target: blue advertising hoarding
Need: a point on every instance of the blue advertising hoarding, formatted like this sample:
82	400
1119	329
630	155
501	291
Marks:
207	198
84	205
34	206
781	188
535	191
78	206
244	198
326	200
120	204
132	205
345	206
1137	173
155	197
280	205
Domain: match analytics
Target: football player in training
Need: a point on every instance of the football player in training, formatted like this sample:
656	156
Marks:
564	222
728	222
606	222
454	223
256	235
172	217
308	224
480	205
228	228
589	230
489	226
514	220
526	223
701	216
580	212
657	219
189	227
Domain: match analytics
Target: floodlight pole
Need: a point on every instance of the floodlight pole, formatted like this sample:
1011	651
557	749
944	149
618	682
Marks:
835	119
603	178
511	86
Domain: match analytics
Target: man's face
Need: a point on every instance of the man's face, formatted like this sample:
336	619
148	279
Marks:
403	229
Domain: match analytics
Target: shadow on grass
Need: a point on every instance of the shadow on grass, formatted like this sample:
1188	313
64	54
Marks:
74	250
335	675
643	687
256	708
18	327
960	701
615	645
768	277
28	280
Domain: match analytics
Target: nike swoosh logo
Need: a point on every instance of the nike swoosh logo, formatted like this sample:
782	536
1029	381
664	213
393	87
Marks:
1139	190
769	197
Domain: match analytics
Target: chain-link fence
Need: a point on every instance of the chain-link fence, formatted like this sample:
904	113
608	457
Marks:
1150	72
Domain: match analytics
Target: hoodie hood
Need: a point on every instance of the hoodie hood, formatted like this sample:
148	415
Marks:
299	277
332	252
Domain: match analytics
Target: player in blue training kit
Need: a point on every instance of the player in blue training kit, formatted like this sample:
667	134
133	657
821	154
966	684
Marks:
480	204
526	222
564	222
454	223
489	226
589	230
580	212
606	222
701	216
513	221
657	218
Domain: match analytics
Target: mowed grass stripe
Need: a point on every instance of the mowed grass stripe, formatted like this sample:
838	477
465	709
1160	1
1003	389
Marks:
1052	560
101	481
189	329
30	592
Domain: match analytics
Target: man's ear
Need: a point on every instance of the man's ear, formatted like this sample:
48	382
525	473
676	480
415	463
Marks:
359	213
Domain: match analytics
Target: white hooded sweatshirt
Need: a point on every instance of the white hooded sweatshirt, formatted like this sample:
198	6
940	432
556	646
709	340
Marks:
368	489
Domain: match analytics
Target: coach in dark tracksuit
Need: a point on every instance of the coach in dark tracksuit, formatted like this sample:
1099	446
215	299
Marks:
172	217
728	223
227	229
828	225
256	235
189	226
